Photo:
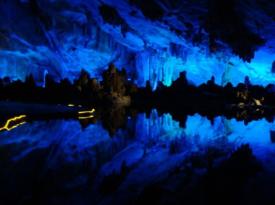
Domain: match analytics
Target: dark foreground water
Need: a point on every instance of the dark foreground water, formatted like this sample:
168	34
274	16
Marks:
152	160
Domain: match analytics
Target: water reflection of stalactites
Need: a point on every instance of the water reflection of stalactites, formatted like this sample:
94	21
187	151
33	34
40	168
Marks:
115	118
87	121
112	118
214	175
157	151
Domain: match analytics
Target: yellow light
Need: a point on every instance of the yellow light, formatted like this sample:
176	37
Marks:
87	112
7	124
87	117
73	105
257	102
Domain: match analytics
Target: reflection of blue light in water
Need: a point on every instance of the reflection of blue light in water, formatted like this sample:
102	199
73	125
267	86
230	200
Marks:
144	147
41	135
158	128
256	133
148	135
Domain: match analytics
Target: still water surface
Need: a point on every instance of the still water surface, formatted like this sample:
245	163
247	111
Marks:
62	162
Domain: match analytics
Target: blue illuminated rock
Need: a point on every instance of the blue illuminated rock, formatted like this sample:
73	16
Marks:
61	37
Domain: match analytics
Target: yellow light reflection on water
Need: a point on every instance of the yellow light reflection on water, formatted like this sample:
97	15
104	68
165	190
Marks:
8	125
86	117
87	112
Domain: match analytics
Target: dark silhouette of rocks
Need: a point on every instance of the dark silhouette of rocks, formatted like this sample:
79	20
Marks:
244	102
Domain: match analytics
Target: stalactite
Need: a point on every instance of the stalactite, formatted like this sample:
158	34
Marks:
75	38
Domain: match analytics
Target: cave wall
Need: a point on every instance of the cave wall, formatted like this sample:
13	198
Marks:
153	41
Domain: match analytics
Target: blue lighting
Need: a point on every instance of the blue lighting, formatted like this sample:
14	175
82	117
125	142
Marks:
148	50
155	143
146	133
